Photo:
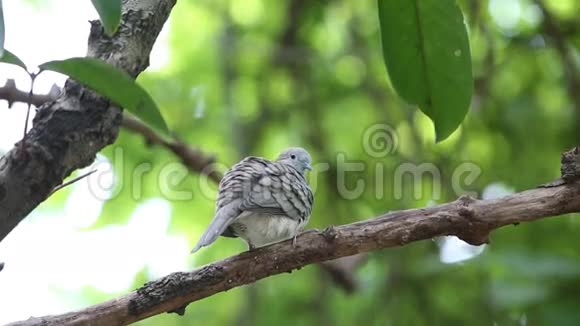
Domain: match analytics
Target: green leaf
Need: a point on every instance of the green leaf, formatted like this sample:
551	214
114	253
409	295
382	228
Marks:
112	83
426	51
1	30
9	57
110	14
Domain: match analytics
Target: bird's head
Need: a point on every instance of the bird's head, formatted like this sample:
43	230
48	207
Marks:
297	157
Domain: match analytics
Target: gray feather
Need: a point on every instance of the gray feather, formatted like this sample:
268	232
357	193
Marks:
224	216
264	190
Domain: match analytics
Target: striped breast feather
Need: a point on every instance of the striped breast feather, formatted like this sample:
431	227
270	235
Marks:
302	194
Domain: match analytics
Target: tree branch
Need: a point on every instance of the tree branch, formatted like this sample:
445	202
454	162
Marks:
469	219
193	158
11	94
342	271
69	131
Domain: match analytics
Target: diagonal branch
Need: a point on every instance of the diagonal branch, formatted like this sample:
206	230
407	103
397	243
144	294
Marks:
11	94
467	218
69	131
193	158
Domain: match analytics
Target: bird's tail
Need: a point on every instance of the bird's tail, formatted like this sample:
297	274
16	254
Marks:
220	222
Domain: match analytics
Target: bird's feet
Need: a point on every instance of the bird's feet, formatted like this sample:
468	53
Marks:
305	232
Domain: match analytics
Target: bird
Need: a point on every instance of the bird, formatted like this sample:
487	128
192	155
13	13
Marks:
262	201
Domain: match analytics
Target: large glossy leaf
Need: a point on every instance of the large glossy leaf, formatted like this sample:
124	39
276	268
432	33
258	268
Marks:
9	57
1	30
112	83
426	51
110	14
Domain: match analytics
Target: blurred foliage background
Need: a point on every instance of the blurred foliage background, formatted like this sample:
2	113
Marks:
252	77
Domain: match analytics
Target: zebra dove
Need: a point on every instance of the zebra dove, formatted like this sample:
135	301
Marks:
262	201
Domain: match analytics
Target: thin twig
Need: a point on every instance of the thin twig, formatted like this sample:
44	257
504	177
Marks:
193	158
30	95
29	101
68	183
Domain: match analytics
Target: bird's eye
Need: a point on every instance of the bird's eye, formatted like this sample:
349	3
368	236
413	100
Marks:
293	156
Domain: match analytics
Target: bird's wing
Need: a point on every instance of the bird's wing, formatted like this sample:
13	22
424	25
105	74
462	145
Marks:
237	182
279	190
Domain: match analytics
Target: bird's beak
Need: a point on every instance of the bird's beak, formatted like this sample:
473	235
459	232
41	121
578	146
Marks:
308	167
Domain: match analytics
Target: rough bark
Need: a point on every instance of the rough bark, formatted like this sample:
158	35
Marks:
467	218
68	132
